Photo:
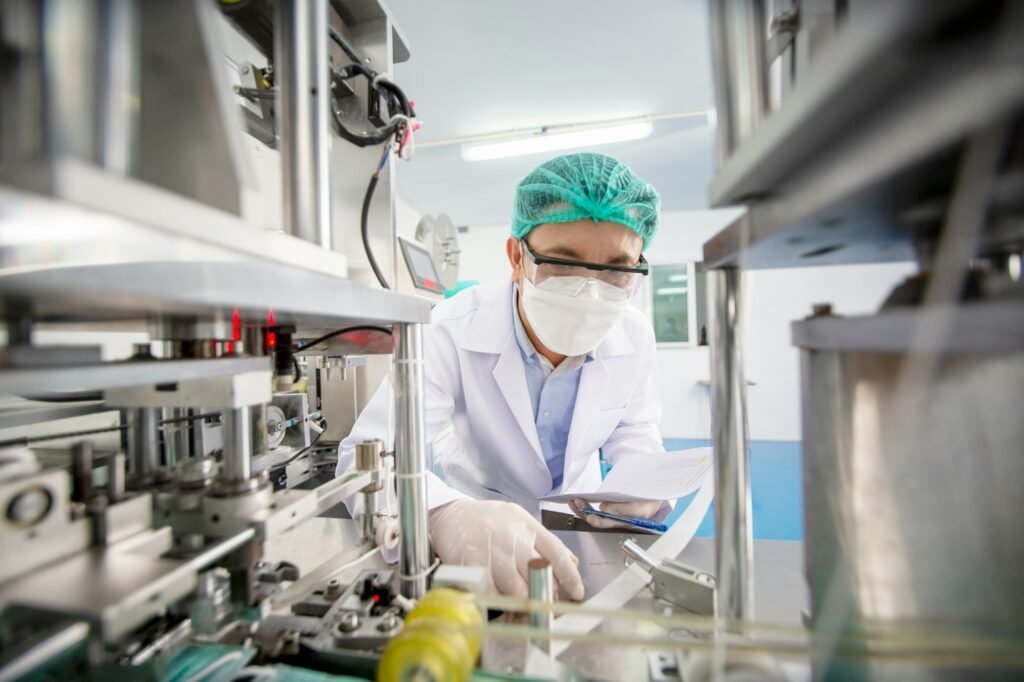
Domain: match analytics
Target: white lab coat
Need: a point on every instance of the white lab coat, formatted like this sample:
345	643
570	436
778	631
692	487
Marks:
481	435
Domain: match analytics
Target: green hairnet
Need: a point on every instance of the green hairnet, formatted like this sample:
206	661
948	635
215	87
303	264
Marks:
579	186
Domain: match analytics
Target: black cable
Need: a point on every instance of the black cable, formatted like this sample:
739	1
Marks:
380	136
298	370
343	44
364	226
189	418
346	330
300	453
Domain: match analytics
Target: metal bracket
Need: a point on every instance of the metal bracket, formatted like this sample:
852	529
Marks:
225	392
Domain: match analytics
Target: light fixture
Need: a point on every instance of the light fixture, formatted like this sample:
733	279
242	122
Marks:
549	141
669	291
681	277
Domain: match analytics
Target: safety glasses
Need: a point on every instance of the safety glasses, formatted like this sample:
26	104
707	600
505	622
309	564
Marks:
625	277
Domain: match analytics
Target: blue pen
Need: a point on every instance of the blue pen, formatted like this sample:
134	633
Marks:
645	524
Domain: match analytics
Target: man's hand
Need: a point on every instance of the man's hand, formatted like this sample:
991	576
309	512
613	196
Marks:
653	509
503	537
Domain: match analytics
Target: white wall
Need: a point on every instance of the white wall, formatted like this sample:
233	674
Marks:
774	298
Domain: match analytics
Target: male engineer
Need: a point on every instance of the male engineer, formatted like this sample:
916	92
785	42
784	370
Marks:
527	381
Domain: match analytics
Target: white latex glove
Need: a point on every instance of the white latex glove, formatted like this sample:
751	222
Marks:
503	537
648	509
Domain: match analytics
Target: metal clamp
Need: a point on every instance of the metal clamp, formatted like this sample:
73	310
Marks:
677	583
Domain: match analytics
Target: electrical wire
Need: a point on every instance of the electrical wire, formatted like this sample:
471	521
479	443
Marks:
346	330
364	223
344	45
300	453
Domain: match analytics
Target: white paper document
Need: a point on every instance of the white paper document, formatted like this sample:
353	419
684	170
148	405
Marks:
656	476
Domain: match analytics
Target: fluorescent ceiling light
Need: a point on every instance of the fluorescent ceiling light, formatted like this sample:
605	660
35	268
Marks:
554	141
668	291
677	278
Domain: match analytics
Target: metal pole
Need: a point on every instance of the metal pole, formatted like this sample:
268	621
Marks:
237	465
733	532
368	458
541	588
143	444
717	16
738	52
411	461
301	71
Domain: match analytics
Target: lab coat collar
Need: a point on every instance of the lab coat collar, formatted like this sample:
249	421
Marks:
492	328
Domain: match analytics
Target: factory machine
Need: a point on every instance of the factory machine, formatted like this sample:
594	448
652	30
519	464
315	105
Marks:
201	282
870	132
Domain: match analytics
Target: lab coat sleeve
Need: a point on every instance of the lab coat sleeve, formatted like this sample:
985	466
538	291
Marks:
440	378
637	431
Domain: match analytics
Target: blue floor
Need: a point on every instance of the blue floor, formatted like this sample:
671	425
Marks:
776	489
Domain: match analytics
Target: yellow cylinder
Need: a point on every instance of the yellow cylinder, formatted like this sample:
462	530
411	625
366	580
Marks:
435	644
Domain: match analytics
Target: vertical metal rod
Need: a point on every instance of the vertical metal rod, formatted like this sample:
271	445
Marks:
541	588
175	438
368	458
738	51
81	470
733	531
411	461
143	444
120	87
115	477
237	465
717	16
301	70
369	516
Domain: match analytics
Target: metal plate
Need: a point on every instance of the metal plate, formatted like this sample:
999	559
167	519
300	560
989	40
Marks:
120	374
988	327
60	262
891	151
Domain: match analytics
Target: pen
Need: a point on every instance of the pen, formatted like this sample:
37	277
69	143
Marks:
645	524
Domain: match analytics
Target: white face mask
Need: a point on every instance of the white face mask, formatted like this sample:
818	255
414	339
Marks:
572	315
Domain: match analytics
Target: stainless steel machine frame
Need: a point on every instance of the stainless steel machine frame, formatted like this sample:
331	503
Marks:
910	168
118	230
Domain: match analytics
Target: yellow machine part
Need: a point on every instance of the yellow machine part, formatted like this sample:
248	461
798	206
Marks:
435	644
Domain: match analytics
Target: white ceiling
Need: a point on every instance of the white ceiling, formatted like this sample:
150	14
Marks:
483	66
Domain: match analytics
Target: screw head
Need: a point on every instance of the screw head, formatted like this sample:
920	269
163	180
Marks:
348	622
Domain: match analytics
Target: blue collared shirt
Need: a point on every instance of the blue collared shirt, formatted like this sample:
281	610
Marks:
553	396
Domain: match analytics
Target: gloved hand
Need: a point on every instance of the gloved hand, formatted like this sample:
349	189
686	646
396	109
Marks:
653	509
503	537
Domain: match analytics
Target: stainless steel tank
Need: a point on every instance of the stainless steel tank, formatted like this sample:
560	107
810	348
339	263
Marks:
914	482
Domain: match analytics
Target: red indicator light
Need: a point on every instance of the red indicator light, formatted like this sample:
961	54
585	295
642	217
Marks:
229	347
271	335
429	283
236	325
376	598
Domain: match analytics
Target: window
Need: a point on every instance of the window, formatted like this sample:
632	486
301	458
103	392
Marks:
677	305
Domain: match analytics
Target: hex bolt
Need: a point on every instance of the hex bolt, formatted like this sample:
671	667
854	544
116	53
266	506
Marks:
333	590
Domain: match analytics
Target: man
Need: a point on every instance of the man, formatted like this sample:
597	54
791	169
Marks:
526	381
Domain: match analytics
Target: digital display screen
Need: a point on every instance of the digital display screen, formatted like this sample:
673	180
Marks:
421	267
